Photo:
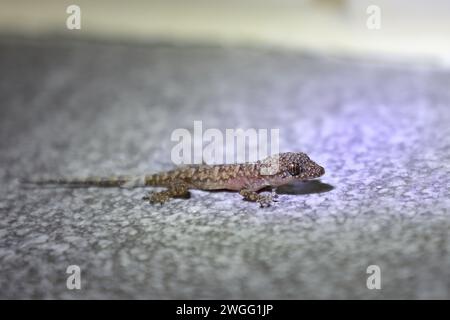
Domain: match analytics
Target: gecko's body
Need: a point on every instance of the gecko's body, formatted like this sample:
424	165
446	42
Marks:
247	178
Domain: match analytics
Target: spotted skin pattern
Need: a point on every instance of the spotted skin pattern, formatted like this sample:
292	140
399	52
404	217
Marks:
247	178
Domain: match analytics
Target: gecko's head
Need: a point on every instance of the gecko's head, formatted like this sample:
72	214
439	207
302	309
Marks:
293	166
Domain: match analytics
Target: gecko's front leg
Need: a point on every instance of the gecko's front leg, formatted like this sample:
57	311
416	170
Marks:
264	200
174	191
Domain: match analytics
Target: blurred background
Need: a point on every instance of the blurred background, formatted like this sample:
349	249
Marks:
414	29
361	86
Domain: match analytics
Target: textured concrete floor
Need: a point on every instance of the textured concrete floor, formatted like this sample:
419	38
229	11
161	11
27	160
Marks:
77	108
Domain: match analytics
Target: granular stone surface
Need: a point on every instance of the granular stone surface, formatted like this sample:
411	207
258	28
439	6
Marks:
75	108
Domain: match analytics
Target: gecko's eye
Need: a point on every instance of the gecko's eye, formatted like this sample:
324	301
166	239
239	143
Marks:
294	169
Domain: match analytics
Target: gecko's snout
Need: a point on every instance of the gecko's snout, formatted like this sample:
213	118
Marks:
317	171
312	171
321	171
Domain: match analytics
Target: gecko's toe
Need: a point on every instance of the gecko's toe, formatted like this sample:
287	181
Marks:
274	195
265	201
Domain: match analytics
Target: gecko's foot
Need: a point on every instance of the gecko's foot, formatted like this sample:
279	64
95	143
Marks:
174	191
265	200
156	197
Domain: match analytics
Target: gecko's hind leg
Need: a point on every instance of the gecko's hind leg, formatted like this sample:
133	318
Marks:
263	200
174	191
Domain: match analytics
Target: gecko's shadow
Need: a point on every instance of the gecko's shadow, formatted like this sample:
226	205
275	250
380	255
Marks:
296	188
304	187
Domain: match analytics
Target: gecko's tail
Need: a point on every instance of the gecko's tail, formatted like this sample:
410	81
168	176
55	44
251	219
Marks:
105	182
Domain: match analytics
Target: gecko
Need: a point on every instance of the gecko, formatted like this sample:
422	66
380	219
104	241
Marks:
249	178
